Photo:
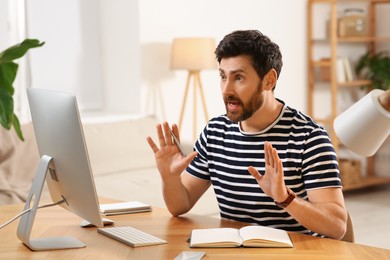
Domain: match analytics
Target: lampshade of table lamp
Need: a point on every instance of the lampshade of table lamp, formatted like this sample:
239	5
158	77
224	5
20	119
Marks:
193	55
364	126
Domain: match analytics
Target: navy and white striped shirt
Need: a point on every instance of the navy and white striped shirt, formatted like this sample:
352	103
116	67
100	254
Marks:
225	152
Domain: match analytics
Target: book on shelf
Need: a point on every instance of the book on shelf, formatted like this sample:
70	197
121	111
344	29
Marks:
340	70
344	70
349	72
124	208
249	236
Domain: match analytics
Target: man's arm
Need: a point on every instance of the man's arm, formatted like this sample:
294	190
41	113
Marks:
325	211
180	191
182	194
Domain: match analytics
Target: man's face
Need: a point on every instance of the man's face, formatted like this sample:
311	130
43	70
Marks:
241	87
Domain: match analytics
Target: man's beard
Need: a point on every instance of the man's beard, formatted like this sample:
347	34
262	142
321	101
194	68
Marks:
248	109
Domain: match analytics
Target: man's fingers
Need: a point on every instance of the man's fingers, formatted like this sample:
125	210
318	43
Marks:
275	157
279	167
167	134
152	144
255	173
160	135
191	156
268	153
175	130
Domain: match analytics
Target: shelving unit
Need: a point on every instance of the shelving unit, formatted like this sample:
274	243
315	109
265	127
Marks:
332	41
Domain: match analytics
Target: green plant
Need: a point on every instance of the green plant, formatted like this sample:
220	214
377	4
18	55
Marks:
375	67
8	71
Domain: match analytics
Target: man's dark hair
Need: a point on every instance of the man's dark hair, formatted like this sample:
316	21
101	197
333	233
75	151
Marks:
264	53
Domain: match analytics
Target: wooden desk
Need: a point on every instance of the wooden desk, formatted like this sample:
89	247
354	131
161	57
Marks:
56	221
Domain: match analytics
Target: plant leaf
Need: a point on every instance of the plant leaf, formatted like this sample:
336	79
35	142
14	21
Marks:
8	71
6	109
375	67
18	50
7	76
16	125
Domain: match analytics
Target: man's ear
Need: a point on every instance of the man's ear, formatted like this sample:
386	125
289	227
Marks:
269	80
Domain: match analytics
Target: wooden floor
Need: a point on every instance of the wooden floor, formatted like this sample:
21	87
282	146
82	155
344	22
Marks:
370	213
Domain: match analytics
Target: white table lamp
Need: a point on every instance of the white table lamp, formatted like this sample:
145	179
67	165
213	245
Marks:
193	55
365	125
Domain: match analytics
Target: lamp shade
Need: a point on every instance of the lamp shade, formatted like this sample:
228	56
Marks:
193	54
364	126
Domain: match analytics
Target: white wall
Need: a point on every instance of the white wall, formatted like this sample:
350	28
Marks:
4	25
91	49
70	59
119	36
115	55
284	21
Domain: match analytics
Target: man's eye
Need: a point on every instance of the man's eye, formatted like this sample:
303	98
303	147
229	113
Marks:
222	76
239	77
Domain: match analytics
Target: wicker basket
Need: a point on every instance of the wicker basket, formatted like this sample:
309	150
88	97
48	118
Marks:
350	172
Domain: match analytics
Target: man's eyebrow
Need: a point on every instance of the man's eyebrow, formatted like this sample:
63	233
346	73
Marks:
233	71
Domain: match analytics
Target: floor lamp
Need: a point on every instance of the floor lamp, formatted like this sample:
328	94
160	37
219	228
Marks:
193	55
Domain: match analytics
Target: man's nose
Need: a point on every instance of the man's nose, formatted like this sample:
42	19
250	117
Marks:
226	87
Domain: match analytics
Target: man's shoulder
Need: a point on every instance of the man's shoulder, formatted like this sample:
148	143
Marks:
220	126
299	118
221	121
220	118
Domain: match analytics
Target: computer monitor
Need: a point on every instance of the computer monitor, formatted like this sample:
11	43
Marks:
64	165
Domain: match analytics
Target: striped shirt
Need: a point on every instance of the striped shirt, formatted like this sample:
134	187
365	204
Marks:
225	152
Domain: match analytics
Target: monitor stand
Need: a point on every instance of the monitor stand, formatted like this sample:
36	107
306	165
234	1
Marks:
27	219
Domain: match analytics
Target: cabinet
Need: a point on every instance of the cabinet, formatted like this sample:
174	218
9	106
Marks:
333	47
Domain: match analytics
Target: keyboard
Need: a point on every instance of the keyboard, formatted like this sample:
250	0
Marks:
131	236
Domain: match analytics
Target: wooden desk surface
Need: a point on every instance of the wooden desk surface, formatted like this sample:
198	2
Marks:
56	221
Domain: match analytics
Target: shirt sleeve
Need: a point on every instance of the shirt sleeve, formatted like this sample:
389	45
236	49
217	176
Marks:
319	166
199	167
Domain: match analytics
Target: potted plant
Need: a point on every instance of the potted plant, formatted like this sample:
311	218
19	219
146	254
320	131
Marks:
8	71
375	67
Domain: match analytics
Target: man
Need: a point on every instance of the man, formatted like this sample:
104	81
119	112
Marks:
269	164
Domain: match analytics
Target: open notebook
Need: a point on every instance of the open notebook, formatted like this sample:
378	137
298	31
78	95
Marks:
249	236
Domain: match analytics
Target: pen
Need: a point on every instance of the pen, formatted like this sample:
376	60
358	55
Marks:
178	144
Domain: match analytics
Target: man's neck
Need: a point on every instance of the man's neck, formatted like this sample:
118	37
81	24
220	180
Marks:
264	116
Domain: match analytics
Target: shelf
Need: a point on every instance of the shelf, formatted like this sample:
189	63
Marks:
322	63
325	71
366	182
351	1
359	39
355	83
363	39
347	84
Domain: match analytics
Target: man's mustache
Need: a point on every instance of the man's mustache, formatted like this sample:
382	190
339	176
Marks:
231	99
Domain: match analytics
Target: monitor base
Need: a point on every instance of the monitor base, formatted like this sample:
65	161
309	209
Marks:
27	219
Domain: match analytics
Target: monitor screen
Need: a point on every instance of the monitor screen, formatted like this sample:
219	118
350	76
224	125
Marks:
59	135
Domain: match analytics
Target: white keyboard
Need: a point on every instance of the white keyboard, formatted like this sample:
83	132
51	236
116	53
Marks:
131	236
